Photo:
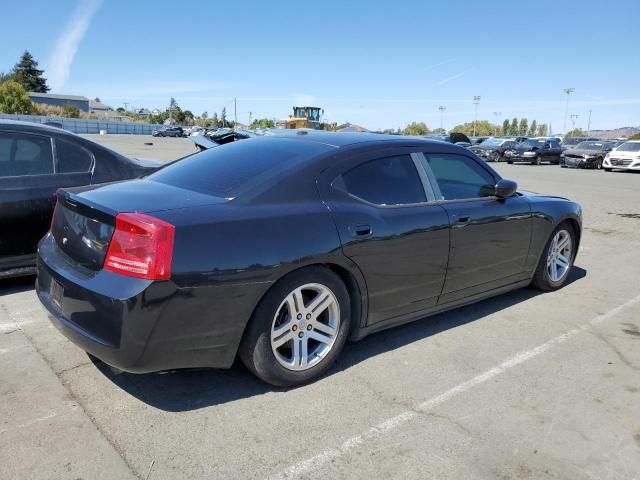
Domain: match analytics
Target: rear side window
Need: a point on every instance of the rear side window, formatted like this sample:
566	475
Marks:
25	154
385	181
71	157
229	170
460	177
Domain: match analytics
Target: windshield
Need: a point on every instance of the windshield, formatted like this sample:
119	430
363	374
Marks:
590	145
533	143
629	147
229	170
573	141
493	142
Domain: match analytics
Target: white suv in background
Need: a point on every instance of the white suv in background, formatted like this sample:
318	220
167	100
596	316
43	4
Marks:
624	157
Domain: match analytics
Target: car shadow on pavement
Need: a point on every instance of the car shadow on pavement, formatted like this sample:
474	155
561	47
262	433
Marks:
9	286
184	390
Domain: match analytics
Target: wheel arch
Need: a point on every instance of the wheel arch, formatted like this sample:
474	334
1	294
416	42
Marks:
350	276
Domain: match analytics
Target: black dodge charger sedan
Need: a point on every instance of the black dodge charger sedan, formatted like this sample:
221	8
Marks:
36	160
277	249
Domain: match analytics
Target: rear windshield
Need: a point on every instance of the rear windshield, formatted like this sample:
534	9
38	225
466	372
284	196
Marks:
229	170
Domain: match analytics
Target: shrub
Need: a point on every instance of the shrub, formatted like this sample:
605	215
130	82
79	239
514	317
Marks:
14	98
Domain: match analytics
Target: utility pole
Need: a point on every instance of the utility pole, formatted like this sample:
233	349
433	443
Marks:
476	101
497	114
574	117
568	91
126	104
250	116
235	112
589	124
442	109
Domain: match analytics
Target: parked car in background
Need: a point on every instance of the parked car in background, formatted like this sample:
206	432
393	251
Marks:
623	157
168	132
277	249
493	149
36	160
456	138
588	154
570	142
221	136
477	140
535	152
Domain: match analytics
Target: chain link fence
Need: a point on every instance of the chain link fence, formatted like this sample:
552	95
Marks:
79	125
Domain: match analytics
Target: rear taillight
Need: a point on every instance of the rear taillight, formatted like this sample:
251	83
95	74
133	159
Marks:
141	246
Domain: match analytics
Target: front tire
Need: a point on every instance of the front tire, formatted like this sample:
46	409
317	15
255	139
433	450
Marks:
298	329
608	169
556	260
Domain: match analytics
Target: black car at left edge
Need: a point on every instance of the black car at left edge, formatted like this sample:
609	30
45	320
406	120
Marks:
35	161
277	249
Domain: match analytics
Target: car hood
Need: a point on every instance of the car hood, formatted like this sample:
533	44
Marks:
534	195
619	154
581	151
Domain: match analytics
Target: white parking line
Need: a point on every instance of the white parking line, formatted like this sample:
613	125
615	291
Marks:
392	423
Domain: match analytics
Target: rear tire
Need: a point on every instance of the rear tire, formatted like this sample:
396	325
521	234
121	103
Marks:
289	341
556	260
510	162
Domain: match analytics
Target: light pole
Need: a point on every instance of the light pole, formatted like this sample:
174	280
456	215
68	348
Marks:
476	101
574	117
497	115
589	124
442	109
568	91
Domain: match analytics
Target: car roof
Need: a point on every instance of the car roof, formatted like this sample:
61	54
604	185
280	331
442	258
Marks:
33	125
342	139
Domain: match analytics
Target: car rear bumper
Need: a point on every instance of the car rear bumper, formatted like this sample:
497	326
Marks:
132	324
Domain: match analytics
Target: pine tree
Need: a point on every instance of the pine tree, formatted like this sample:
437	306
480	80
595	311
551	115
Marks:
27	74
505	127
223	117
214	120
533	129
513	128
524	126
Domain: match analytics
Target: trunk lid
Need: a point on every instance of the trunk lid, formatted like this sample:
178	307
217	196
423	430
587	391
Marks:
84	218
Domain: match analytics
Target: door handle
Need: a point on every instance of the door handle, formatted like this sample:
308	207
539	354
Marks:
362	230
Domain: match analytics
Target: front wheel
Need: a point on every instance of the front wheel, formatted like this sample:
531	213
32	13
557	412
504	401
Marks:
599	164
556	260
298	329
537	161
607	169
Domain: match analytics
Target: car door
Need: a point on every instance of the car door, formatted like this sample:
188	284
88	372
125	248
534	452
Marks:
391	228
554	151
27	185
490	236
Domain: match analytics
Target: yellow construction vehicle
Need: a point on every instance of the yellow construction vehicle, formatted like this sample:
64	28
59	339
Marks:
305	117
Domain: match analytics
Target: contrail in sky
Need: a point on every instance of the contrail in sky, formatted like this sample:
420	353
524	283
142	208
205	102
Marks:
68	43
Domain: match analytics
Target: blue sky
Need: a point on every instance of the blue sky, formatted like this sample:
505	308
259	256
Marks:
379	64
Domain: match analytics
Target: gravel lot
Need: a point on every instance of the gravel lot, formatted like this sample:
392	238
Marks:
525	385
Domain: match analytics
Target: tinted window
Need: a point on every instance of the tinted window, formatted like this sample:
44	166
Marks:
460	177
386	181
554	144
23	154
234	168
71	157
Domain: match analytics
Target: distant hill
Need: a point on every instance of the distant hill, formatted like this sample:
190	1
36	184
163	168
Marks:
624	132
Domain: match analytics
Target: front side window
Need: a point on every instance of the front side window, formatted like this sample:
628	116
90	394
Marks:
385	181
460	177
71	157
24	154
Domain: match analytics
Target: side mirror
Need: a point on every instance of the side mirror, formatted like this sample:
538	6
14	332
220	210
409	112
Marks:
506	188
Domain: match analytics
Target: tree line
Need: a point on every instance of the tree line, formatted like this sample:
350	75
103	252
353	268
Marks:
482	128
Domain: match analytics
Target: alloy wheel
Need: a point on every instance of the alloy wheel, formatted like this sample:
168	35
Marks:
559	256
305	326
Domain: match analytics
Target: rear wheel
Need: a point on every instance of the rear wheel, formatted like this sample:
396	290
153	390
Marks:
298	329
599	164
557	259
537	161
